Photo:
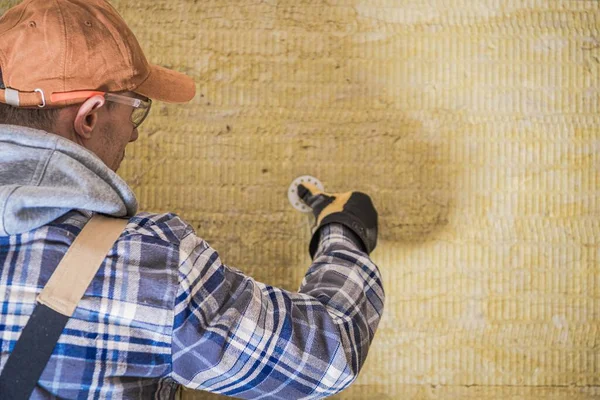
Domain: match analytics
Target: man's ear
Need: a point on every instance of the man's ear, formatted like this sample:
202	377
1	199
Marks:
87	116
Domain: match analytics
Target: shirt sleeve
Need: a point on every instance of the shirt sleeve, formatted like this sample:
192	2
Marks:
238	337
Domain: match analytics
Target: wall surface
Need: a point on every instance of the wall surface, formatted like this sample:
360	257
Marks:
473	124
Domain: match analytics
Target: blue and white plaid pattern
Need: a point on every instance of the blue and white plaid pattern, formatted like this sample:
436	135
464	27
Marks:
163	311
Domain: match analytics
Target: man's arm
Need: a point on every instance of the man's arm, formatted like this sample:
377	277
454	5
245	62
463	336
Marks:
242	338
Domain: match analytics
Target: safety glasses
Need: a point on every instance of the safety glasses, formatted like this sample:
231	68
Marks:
141	107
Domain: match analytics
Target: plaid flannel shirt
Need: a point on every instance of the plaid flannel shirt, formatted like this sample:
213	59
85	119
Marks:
163	311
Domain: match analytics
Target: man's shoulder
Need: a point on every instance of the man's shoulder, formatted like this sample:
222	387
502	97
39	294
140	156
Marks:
167	227
146	236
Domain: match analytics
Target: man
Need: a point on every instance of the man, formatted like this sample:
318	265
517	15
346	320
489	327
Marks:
163	311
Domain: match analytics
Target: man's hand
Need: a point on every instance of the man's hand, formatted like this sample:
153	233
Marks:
355	210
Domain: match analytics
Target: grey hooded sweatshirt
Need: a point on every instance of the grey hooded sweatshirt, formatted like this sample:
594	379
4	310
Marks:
43	176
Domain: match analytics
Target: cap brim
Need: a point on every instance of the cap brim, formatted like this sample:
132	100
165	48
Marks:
167	85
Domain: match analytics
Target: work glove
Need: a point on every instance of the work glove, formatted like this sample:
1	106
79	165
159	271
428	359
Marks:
354	210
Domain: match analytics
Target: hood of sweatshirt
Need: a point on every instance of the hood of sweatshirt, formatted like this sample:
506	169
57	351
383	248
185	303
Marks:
43	176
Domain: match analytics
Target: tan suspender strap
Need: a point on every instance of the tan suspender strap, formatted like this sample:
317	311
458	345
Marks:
81	263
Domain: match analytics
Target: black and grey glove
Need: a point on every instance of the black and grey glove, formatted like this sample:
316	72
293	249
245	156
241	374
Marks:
355	210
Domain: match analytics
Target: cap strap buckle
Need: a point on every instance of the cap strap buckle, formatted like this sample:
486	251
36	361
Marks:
43	98
12	97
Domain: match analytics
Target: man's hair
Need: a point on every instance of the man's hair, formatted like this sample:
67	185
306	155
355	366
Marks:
37	118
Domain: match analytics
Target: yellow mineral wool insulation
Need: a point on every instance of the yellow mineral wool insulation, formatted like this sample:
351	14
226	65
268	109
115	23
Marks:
473	124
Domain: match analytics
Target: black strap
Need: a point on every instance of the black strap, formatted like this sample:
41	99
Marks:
31	353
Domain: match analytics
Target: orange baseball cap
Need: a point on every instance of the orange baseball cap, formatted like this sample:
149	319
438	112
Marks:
52	52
